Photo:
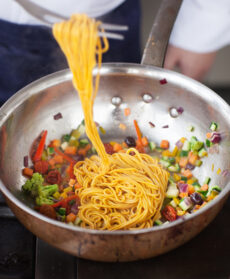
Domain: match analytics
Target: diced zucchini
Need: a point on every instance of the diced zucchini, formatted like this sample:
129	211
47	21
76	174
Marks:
198	163
197	145
165	163
196	184
202	153
81	129
62	211
173	204
66	138
64	145
191	128
50	151
183	153
77	221
197	188
158	222
158	149
213	188
213	126
184	178
171	160
186	146
76	134
152	145
207	180
193	140
203	193
185	205
208	143
83	142
174	168
172	191
93	149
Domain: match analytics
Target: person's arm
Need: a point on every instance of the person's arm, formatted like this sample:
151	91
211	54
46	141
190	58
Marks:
202	27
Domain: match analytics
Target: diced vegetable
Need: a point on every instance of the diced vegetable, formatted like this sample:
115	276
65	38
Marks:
202	153
127	111
185	203
191	128
197	145
169	213
152	145
172	191
183	153
213	188
27	172
207	180
186	146
158	222
41	146
164	144
164	163
213	126
174	168
64	145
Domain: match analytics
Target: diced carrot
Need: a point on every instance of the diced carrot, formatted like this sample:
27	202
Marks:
187	173
117	147
204	187
84	150
122	126
124	145
71	150
164	144
77	186
58	159
139	135
52	162
208	135
127	111
55	143
70	217
66	157
183	162
191	189
192	159
28	172
145	141
183	195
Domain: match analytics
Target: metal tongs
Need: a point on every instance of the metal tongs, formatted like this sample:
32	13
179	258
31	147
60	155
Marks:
49	18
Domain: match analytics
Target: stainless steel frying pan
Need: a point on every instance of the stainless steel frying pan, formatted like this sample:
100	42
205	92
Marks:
122	85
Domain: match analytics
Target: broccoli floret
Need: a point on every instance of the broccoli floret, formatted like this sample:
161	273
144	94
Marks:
48	190
32	185
35	188
43	200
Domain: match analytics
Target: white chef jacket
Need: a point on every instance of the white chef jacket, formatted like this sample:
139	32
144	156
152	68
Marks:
201	25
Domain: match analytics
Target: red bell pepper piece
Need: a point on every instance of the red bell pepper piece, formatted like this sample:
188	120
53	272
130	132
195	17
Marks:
41	145
63	203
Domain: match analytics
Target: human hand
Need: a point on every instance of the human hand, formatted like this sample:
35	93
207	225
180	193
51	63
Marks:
192	64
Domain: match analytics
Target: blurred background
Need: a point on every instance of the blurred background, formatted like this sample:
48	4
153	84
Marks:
218	77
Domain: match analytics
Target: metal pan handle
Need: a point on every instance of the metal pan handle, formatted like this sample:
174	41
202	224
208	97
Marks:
155	49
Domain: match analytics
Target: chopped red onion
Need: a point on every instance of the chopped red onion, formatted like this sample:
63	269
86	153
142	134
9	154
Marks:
151	124
225	173
163	81
180	110
165	126
57	116
183	187
26	161
74	208
179	144
190	166
216	137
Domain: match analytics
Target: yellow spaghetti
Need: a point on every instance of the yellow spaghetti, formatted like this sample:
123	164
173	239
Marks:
119	191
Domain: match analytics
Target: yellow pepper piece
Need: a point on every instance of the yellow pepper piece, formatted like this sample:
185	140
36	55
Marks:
112	143
176	201
218	171
63	195
56	195
183	140
180	212
68	189
174	152
166	153
176	177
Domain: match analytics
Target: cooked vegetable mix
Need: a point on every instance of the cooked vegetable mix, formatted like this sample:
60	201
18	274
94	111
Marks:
52	184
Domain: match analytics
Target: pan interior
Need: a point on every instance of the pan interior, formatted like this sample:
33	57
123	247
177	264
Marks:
137	87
